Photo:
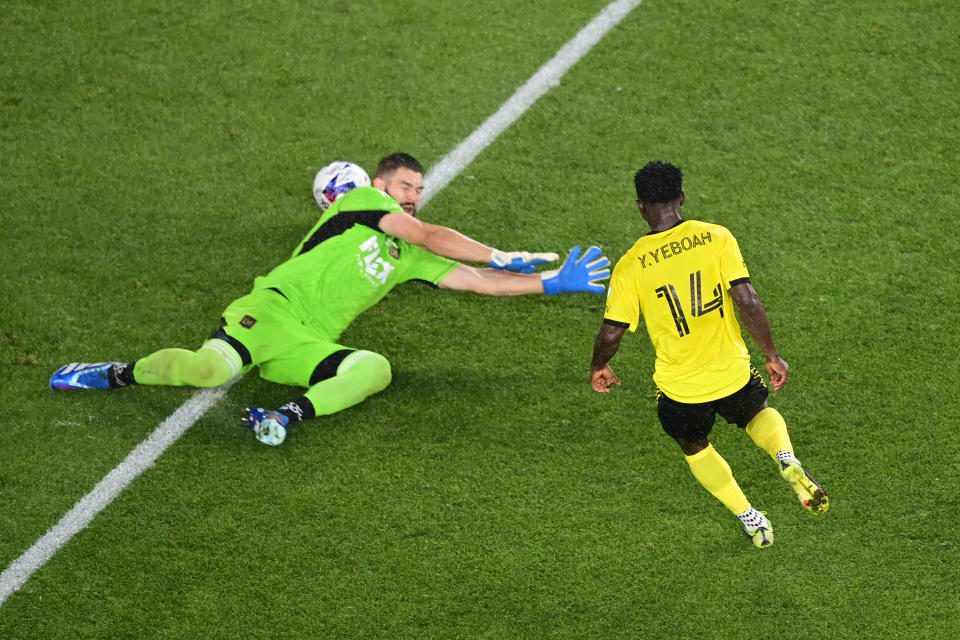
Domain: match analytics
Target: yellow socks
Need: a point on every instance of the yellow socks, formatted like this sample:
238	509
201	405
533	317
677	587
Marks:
768	430
713	472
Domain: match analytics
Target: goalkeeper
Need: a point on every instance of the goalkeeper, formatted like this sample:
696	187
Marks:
366	243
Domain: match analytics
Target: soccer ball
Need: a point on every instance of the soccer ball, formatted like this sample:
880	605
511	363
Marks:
336	179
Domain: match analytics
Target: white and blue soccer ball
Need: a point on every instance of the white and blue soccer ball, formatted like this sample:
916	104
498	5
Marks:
336	179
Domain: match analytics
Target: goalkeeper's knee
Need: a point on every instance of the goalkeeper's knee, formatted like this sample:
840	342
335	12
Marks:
209	369
359	376
209	366
371	371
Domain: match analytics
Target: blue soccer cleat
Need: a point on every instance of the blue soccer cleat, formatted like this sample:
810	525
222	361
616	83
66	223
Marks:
269	427
82	375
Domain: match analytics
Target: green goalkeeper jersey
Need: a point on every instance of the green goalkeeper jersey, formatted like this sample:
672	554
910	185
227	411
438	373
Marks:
346	264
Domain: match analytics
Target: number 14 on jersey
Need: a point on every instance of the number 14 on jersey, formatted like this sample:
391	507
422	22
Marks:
668	292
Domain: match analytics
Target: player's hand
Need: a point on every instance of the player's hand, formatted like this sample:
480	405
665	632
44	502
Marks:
578	273
602	379
779	372
519	261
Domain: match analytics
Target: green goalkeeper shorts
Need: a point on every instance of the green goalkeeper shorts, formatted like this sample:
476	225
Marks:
262	328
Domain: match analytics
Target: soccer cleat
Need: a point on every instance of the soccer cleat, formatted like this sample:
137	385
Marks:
811	494
761	536
268	426
82	375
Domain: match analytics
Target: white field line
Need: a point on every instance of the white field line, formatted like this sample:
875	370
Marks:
141	458
170	430
547	77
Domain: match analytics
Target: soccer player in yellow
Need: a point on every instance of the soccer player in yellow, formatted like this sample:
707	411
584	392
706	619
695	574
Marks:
685	277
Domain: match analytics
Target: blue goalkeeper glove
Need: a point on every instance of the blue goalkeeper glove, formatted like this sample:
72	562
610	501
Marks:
519	261
578	274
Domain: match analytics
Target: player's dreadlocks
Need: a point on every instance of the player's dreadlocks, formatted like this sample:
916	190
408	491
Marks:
658	182
395	161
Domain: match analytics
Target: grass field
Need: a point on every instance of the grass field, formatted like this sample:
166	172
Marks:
154	158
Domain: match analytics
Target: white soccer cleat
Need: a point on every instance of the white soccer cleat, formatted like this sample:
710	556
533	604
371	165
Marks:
761	535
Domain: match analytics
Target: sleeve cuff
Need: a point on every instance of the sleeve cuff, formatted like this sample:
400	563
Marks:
616	323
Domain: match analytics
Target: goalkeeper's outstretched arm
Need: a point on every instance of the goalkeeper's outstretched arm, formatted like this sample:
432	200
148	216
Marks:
578	274
491	282
450	243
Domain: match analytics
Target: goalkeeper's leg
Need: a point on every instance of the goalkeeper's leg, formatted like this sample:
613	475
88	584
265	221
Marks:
341	380
213	364
360	375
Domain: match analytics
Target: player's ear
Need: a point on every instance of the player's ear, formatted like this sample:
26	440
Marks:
683	198
379	183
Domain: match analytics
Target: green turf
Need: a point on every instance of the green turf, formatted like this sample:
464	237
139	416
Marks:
154	160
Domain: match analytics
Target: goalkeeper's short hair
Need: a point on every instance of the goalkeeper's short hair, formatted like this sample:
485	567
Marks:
394	161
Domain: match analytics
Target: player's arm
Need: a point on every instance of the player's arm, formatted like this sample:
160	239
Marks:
492	282
450	243
605	346
754	317
578	274
437	239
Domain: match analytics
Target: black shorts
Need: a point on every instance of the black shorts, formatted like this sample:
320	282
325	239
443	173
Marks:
695	421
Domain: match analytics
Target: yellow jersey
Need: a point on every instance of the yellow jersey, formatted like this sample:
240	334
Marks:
678	280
